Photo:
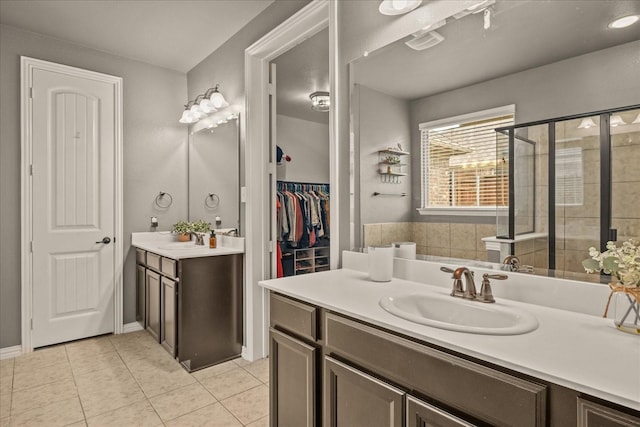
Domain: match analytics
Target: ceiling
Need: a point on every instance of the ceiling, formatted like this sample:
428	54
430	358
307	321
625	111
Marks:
300	71
523	35
174	34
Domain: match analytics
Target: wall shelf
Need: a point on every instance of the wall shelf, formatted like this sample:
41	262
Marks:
390	167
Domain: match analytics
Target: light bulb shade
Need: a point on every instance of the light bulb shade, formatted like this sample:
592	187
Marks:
587	123
320	101
636	121
207	107
187	117
218	100
616	121
398	7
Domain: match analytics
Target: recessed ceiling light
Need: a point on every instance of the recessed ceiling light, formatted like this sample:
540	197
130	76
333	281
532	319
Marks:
398	7
624	22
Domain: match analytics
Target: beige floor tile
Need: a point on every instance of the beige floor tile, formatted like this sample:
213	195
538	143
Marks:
262	422
55	414
24	400
250	405
154	362
41	375
105	400
6	367
6	384
214	370
111	378
5	405
40	358
129	338
160	382
82	423
214	415
141	349
109	360
89	347
240	361
4	422
139	414
181	401
259	369
229	383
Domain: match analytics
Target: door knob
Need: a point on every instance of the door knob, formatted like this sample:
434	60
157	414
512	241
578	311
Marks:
105	240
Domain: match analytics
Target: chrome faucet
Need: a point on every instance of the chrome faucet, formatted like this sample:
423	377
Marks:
469	284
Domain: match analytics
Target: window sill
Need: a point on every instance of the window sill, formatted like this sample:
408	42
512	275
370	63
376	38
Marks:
464	211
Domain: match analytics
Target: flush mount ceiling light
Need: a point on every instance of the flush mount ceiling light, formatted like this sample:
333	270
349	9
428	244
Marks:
320	101
398	7
616	121
624	21
587	123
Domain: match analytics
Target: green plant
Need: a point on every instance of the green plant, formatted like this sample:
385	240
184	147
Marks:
200	226
182	227
622	262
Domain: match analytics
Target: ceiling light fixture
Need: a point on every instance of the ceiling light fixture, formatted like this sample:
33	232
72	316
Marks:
398	7
587	123
320	101
624	21
616	121
205	104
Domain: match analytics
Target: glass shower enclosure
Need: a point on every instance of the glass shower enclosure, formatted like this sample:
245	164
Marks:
574	183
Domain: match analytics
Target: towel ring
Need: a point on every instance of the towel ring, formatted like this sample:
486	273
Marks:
212	201
160	197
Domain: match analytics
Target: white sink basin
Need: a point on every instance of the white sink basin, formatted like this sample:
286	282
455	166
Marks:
456	314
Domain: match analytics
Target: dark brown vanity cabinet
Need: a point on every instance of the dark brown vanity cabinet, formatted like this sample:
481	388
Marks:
293	356
193	306
373	377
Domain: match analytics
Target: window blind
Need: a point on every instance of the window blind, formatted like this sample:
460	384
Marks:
569	177
461	165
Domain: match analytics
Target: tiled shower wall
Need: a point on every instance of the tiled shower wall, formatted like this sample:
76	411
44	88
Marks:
440	239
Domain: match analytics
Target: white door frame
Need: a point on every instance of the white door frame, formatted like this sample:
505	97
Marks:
308	21
27	65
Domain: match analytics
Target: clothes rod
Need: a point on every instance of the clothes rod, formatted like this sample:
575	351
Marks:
390	194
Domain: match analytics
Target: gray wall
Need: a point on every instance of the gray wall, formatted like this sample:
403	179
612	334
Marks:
307	143
596	81
386	123
154	154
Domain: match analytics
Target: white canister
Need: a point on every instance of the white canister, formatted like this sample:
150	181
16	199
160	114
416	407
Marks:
405	250
380	263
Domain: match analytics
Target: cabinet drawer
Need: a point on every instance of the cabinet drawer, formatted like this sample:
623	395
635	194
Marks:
141	256
484	393
592	414
169	267
153	261
294	316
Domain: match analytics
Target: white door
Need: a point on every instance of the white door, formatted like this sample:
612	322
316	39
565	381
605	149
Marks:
73	139
273	138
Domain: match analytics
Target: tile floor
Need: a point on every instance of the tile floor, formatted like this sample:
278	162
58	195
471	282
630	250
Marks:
128	380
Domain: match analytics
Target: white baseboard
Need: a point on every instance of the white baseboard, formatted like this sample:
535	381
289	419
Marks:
10	352
131	327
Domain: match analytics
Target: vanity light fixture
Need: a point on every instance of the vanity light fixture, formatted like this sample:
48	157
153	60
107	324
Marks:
320	101
205	104
587	123
636	121
624	21
616	121
398	7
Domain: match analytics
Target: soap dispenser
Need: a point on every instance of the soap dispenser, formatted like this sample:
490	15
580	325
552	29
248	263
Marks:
212	240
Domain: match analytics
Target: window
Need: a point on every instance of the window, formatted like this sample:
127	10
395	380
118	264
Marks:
569	177
461	167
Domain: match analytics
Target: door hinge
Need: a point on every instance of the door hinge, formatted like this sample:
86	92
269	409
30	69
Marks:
31	170
31	246
272	168
270	88
32	324
31	92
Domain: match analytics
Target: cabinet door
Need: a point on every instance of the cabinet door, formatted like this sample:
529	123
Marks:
153	303
422	414
140	295
355	399
594	415
292	384
168	332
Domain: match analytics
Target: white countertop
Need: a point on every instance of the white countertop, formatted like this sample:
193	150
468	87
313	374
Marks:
579	351
166	244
